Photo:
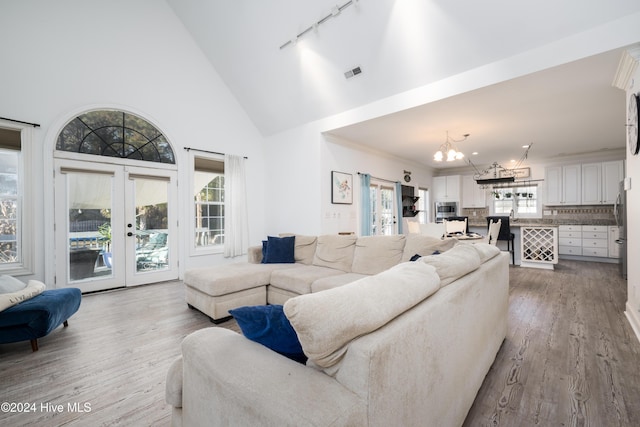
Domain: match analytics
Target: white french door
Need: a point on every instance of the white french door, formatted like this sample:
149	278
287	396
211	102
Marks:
115	225
383	209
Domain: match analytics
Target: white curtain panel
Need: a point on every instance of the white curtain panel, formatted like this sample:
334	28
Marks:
236	223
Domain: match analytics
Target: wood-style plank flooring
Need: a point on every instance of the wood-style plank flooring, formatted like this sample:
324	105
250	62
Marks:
570	357
114	356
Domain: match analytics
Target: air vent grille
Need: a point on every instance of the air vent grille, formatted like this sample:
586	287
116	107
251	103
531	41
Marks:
353	72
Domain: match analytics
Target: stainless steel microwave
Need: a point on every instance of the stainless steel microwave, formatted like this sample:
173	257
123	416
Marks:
445	210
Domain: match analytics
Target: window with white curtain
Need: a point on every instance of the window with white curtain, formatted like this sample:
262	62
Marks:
208	185
16	244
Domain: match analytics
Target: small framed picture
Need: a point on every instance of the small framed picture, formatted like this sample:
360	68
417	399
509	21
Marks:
517	173
341	188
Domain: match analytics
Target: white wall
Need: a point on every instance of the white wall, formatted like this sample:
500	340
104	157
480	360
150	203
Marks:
62	57
343	157
298	179
297	199
633	228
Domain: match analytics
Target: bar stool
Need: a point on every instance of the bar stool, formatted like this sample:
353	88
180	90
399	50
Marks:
505	234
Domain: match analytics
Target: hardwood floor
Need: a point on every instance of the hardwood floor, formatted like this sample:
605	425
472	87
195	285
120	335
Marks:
570	358
113	356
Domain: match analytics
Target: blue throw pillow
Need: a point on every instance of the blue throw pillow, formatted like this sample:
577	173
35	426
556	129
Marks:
279	250
268	325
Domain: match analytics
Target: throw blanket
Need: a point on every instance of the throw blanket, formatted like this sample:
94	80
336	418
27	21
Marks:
33	288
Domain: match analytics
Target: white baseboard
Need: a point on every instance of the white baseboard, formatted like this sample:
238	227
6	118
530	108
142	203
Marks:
634	320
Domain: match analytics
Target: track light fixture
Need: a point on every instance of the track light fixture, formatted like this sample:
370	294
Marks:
334	12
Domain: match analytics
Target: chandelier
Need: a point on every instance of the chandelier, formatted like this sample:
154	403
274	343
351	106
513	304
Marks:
498	174
449	150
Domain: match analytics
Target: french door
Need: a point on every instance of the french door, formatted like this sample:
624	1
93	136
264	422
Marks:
383	209
115	225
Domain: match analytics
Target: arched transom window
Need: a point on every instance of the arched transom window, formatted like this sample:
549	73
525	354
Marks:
115	133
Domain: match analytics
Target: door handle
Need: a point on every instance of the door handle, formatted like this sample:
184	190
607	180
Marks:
129	234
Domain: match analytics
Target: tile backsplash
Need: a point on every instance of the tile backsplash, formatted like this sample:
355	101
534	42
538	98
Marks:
580	214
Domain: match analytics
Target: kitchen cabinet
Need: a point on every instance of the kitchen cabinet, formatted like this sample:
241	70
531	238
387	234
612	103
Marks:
600	182
570	240
563	184
612	174
446	188
595	241
588	240
473	196
614	235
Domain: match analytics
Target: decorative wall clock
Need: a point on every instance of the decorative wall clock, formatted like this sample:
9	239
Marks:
633	137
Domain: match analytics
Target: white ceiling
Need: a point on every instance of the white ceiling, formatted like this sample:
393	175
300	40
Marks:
406	44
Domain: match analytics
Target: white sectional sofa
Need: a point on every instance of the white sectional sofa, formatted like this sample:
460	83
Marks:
321	262
407	346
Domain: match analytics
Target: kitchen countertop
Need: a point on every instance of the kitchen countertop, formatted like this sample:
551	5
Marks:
543	223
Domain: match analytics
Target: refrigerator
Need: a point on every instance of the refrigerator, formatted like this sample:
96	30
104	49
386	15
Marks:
620	213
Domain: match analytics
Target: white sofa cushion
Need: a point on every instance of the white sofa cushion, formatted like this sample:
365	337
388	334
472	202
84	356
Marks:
299	280
326	322
305	247
226	279
374	254
419	244
335	251
335	281
454	263
485	251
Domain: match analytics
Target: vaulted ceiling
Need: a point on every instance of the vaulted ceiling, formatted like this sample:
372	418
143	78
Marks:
570	107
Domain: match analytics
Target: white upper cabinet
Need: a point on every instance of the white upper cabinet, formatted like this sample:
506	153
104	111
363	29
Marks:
563	184
612	174
585	184
600	182
592	183
473	196
446	188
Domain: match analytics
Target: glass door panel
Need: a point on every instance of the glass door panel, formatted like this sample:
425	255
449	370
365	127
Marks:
387	216
150	226
152	230
89	207
87	211
383	209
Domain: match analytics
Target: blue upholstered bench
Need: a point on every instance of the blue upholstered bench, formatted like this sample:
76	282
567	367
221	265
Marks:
36	317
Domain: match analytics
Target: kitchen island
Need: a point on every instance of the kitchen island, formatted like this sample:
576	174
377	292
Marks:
609	255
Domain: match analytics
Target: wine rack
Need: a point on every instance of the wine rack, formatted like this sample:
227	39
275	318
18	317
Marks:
539	246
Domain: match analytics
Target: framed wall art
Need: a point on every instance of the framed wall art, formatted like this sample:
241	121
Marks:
341	188
517	173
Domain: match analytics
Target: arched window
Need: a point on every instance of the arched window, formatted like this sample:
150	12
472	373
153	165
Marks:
115	133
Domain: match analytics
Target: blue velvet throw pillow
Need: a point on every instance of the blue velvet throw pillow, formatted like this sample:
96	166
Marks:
268	325
278	250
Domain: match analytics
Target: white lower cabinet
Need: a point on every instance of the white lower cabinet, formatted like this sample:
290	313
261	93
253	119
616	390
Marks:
570	240
585	240
614	247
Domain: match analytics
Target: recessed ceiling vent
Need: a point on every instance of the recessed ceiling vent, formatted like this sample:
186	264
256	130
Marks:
353	72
